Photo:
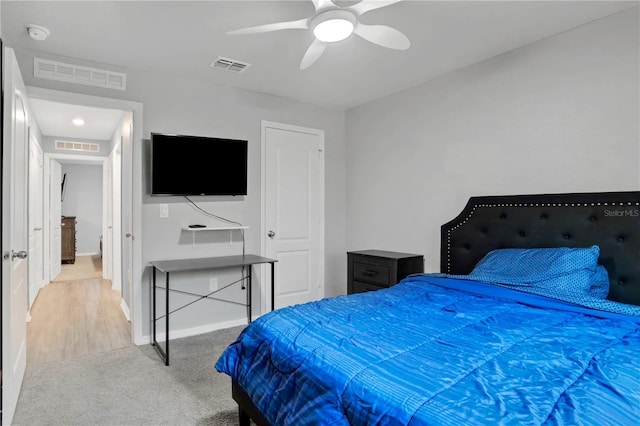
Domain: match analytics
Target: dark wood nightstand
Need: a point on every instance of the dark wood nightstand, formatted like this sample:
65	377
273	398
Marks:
369	270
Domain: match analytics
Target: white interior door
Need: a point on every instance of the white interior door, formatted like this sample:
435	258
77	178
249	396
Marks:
116	216
14	236
55	222
36	213
107	228
293	172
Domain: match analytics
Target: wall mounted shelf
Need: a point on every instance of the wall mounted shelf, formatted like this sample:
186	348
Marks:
230	229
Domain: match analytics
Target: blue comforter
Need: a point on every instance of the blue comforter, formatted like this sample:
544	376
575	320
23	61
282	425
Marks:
429	351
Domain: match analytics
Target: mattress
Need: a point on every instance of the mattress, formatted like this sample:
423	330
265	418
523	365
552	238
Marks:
433	351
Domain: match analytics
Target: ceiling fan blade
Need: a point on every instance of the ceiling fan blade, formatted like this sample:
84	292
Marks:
322	4
366	5
277	26
313	53
383	35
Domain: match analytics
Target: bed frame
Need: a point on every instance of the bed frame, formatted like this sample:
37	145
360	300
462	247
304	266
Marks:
609	219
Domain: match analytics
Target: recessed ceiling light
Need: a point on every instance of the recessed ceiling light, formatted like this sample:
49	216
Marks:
78	122
37	32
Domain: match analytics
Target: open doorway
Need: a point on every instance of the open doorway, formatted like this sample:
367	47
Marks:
85	214
81	309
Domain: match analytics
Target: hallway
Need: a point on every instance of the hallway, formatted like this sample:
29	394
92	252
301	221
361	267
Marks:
77	314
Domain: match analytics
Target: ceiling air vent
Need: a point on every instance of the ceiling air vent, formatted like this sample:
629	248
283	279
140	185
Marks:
77	146
69	73
229	64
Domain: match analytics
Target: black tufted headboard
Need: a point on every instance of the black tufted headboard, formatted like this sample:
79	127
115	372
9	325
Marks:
609	219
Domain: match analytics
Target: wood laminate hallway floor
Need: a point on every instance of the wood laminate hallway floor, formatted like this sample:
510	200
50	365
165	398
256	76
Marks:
76	317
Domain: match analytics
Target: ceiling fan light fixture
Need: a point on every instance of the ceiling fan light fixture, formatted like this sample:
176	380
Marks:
333	25
333	30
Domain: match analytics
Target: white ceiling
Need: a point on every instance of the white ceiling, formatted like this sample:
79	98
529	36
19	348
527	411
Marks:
182	38
55	119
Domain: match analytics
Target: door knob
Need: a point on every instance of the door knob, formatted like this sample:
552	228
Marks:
271	234
20	255
128	235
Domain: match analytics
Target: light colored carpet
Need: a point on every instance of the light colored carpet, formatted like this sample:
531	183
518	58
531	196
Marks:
84	267
131	386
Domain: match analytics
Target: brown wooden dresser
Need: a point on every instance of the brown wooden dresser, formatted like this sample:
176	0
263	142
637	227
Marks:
68	239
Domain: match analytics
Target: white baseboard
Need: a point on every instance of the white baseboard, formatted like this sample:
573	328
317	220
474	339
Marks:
125	309
187	332
95	253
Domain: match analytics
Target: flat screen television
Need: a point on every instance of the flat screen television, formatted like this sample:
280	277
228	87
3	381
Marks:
195	165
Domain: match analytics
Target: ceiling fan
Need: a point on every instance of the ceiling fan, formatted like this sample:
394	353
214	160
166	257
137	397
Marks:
333	23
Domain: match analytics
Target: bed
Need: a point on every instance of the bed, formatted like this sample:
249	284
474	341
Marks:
465	347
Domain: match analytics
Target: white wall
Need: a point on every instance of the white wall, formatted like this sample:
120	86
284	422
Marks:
559	115
185	106
83	199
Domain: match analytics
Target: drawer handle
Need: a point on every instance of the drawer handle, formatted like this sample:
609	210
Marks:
370	273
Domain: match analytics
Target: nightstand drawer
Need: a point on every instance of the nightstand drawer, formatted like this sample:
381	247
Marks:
371	273
359	287
369	270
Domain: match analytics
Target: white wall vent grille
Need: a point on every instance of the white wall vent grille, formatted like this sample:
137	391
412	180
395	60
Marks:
229	64
77	146
69	73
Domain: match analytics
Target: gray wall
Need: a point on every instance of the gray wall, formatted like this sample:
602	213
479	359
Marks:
185	106
559	115
83	199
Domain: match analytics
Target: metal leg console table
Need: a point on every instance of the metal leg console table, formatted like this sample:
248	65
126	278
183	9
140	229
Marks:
181	265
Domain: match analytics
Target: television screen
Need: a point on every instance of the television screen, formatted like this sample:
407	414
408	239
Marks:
194	165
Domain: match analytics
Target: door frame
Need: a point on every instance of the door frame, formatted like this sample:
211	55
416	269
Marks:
265	287
49	157
137	267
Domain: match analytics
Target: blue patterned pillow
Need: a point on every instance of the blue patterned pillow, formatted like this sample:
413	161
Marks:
530	265
599	283
552	272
